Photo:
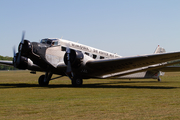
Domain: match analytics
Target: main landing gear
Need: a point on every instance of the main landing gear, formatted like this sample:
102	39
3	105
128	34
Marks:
76	81
159	79
44	79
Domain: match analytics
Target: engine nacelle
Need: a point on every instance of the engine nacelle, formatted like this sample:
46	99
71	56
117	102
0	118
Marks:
25	48
25	62
76	58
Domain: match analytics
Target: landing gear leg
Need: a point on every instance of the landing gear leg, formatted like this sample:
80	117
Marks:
44	79
159	79
76	80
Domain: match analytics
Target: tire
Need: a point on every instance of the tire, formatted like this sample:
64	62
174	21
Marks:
77	82
159	79
41	81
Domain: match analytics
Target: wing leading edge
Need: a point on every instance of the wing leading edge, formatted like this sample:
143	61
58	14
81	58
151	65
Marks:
134	64
30	67
5	62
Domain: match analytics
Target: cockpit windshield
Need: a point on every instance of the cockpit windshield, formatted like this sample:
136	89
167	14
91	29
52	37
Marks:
46	41
51	42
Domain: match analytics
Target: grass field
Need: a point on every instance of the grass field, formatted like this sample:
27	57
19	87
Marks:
21	98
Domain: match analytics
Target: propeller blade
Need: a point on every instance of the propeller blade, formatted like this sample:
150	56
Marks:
19	54
68	59
14	51
69	69
23	34
18	59
14	56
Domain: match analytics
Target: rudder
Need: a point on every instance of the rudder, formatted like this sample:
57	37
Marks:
159	50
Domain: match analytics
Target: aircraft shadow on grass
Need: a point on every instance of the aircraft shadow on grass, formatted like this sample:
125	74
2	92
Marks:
93	85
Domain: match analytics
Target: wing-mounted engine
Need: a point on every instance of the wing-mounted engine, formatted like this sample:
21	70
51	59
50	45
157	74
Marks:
74	57
25	63
75	61
20	62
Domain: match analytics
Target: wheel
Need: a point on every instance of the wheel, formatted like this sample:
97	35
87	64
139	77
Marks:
42	82
159	79
77	82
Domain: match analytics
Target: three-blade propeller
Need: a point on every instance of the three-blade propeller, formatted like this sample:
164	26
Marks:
17	57
69	69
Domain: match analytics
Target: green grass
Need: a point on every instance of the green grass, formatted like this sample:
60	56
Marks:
21	98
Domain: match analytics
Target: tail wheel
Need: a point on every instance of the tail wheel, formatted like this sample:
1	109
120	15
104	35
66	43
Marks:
42	81
77	82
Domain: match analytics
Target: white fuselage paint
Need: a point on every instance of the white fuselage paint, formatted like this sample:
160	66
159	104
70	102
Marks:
88	49
55	55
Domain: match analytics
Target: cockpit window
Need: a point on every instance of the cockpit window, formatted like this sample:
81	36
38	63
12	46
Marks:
49	42
46	41
54	43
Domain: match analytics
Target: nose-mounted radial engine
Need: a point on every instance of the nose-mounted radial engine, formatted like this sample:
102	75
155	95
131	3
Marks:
20	59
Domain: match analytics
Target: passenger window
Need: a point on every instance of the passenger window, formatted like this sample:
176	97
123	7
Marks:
55	43
63	48
87	53
94	56
101	57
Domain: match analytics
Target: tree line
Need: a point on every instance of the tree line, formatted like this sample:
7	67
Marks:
4	67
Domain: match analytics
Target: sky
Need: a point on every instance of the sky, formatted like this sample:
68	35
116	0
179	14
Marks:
125	27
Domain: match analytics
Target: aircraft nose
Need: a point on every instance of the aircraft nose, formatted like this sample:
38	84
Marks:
25	48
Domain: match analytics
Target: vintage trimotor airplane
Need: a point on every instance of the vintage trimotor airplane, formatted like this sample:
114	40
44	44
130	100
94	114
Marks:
78	62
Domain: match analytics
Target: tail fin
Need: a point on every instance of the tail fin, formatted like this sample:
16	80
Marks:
159	50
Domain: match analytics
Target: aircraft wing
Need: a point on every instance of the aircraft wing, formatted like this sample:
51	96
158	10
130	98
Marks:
158	67
170	69
5	62
31	67
131	64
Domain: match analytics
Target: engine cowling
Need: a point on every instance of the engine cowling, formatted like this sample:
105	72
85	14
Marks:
24	62
76	58
25	48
